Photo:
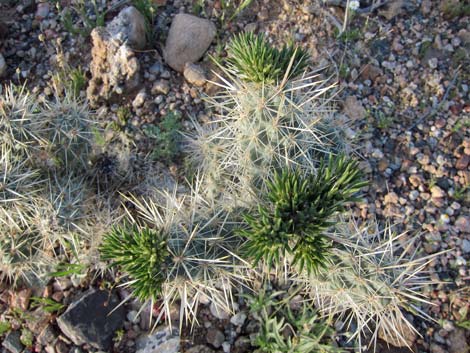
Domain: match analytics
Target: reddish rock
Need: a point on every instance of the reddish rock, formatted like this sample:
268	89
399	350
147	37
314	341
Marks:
462	162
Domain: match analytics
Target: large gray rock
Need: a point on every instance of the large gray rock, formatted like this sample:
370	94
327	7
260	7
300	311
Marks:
188	40
164	340
89	320
114	67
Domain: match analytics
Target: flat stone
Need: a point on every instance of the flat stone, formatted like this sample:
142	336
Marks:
462	162
215	337
164	340
89	320
12	342
188	39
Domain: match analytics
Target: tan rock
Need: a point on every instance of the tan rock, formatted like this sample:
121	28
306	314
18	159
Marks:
114	67
188	40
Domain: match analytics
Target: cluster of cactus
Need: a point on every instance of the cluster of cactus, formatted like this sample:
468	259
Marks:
177	249
276	179
43	196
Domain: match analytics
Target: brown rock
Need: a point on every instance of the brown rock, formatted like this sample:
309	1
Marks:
188	40
114	67
462	162
20	300
371	72
353	108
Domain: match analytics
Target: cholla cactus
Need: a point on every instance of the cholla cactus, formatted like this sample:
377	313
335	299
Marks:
373	278
20	121
189	246
262	128
45	148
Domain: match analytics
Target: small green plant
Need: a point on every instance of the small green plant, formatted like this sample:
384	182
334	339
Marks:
166	136
456	9
298	210
123	115
89	20
232	8
253	59
47	304
67	269
78	81
118	337
26	337
148	8
351	35
4	327
462	193
284	330
140	253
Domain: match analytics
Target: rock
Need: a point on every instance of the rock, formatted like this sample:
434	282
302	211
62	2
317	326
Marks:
47	336
406	339
129	26
3	66
215	337
238	319
133	316
37	321
161	86
458	342
163	340
139	99
218	312
463	224
466	246
393	9
200	349
188	39
462	162
20	300
435	348
194	74
226	347
89	320
437	192
42	10
114	67
12	342
242	344
353	108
